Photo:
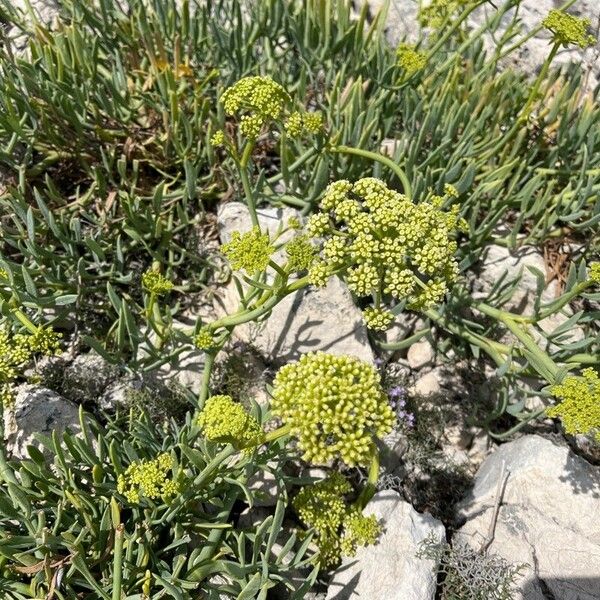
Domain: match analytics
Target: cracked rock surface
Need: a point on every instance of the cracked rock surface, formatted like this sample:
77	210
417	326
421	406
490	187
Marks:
549	518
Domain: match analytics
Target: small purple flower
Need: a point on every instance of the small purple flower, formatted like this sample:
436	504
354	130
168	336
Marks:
378	362
397	392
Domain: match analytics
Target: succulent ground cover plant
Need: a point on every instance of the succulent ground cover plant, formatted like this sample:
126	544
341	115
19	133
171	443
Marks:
124	125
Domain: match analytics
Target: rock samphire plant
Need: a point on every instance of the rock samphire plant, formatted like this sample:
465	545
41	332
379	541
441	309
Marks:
123	124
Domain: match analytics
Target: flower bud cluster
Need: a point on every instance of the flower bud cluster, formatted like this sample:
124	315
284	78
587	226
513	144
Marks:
568	29
257	100
149	479
250	251
334	405
156	283
302	123
16	350
339	528
224	420
382	243
579	408
594	272
301	253
204	339
410	59
435	13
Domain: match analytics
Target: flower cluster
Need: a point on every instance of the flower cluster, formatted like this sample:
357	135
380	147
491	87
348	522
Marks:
224	420
410	59
218	138
148	478
257	100
568	29
436	12
594	272
382	243
339	528
301	123
250	251
16	350
301	253
204	339
156	283
579	408
334	405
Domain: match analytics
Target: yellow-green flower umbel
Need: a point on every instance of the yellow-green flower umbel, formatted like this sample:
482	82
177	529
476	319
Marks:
250	251
410	59
339	528
334	405
568	30
224	420
256	100
148	479
156	283
383	244
579	407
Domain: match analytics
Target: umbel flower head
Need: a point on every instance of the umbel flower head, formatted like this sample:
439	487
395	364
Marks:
410	59
339	528
301	123
148	479
568	29
250	251
381	243
156	283
334	405
594	272
223	420
256	100
579	409
16	350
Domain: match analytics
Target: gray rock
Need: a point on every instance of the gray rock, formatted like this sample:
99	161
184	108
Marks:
309	320
427	385
37	410
548	518
390	570
420	354
88	377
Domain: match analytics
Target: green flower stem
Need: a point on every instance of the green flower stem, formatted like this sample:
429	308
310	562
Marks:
384	160
245	177
277	434
371	486
213	540
294	166
524	114
497	351
522	422
118	563
209	362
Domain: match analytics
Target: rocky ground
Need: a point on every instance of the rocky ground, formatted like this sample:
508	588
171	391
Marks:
534	501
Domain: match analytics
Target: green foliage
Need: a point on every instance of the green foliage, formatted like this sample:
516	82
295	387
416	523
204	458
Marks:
167	492
123	124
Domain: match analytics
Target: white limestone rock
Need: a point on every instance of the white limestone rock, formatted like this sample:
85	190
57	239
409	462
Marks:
390	570
549	518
